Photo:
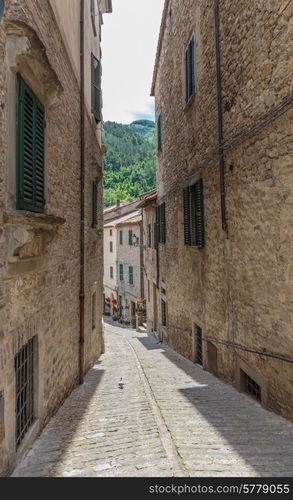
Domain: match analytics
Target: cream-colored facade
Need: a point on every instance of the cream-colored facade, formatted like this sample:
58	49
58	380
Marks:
123	260
51	254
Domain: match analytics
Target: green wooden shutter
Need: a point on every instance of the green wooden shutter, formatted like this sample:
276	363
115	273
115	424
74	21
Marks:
199	214
96	89
30	149
159	132
94	204
121	272
130	241
121	237
163	222
93	7
130	273
186	216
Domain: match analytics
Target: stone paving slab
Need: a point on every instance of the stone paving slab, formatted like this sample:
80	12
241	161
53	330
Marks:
171	419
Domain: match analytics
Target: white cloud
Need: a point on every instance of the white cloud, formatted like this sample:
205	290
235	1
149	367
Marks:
129	42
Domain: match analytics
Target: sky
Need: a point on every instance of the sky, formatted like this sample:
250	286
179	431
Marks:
129	42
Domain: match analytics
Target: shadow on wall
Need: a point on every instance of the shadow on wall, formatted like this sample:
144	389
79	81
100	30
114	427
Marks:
54	441
261	438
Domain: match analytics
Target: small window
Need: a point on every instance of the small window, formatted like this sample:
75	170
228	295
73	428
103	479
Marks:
111	232
193	215
121	237
149	235
24	380
94	204
251	387
130	275
130	237
159	132
189	70
30	155
161	222
198	345
111	246
164	312
111	272
121	274
96	89
149	291
94	310
2	430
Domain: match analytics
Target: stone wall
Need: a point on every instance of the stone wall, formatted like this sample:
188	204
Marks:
42	285
237	288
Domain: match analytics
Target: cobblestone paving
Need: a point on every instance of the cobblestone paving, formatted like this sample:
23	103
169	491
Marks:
171	419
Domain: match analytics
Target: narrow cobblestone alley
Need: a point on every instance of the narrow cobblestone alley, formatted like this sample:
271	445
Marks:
171	419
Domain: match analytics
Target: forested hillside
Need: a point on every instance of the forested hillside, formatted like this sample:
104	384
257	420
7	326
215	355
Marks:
129	164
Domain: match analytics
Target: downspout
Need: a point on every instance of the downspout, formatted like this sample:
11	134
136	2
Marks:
220	116
141	258
82	163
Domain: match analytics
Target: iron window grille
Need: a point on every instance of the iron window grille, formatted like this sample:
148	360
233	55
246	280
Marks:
198	340
24	374
251	387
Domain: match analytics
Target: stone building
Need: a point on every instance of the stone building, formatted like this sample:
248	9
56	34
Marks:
123	260
51	226
223	91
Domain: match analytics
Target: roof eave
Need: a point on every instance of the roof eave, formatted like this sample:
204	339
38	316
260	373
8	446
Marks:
159	46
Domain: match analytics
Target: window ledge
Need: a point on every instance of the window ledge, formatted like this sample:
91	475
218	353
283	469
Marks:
28	236
32	219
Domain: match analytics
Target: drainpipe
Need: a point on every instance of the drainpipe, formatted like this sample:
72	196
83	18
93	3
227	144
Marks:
220	115
141	257
82	163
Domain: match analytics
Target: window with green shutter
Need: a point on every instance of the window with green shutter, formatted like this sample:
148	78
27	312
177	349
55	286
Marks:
193	215
121	274
159	132
189	70
111	272
121	237
30	157
96	89
93	7
94	204
199	216
130	275
130	237
186	216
